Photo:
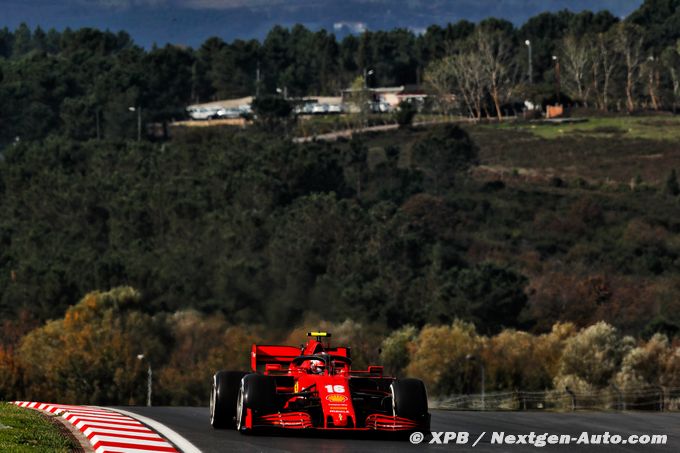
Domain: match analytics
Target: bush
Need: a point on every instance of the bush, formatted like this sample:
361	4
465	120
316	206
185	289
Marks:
396	349
439	357
443	152
672	187
405	113
592	357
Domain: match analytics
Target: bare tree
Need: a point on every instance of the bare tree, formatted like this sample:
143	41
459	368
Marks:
577	58
440	79
653	75
496	58
629	38
471	80
484	65
604	64
670	59
460	75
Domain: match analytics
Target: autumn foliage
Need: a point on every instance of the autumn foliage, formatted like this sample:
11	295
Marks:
91	355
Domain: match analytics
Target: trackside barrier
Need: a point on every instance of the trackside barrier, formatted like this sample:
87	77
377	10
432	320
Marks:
652	398
107	431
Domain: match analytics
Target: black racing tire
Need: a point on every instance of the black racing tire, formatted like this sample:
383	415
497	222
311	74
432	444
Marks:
223	395
409	400
257	393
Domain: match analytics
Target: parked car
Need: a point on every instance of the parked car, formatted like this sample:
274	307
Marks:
228	113
319	109
334	108
202	113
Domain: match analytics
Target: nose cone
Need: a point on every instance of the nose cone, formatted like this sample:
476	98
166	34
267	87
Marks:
339	419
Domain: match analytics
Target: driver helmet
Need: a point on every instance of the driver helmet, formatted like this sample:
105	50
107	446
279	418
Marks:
316	366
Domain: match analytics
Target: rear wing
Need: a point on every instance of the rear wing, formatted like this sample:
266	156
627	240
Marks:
262	355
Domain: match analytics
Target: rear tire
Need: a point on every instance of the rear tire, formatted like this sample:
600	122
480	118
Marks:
223	395
257	393
409	400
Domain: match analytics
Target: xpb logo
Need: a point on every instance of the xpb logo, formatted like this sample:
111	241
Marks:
442	437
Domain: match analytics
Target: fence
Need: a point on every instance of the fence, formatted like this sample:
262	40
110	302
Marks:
648	398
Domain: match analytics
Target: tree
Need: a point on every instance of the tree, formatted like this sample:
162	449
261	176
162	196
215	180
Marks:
354	159
6	42
659	19
406	111
628	41
577	55
273	112
642	366
360	98
439	357
651	70
439	80
396	350
89	356
670	59
460	75
489	296
23	41
445	151
605	64
495	49
592	357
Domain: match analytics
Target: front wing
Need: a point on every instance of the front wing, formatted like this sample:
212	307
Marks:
303	420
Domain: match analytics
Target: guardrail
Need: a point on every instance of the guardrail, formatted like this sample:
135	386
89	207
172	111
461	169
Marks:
647	398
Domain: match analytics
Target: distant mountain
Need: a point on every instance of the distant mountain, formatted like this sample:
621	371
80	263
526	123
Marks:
190	22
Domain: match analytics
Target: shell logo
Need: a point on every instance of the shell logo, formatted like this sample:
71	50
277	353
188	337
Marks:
335	398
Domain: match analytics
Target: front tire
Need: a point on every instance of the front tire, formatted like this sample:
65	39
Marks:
223	396
409	400
257	393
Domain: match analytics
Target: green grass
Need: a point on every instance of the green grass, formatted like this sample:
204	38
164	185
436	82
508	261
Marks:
601	151
25	430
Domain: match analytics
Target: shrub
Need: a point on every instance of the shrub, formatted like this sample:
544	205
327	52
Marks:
439	357
405	113
593	356
396	349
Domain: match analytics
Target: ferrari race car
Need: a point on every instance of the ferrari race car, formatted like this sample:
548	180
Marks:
315	388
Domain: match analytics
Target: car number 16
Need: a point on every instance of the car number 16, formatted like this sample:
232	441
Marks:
335	388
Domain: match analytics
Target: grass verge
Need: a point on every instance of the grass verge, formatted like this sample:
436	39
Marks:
26	430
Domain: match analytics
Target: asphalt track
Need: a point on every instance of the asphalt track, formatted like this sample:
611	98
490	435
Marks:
192	423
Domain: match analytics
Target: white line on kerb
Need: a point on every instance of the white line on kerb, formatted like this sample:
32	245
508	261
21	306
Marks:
179	441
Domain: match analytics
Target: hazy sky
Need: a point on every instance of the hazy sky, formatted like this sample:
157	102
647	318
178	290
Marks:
192	21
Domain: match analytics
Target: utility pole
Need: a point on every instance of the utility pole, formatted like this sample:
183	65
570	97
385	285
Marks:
257	81
149	379
149	383
138	109
557	78
365	95
529	69
474	358
367	72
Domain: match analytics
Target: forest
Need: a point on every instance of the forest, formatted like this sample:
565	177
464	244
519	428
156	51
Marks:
81	83
189	248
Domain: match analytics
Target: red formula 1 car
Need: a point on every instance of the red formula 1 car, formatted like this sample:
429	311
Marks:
315	388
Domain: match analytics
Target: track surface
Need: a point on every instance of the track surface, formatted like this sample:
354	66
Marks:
192	423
